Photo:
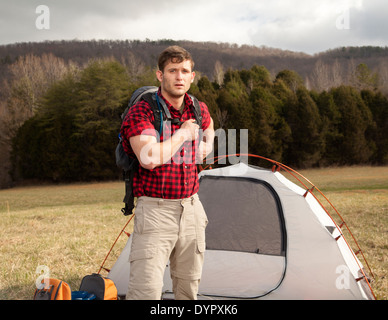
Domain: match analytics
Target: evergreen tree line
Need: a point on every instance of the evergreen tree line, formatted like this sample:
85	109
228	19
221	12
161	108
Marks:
74	131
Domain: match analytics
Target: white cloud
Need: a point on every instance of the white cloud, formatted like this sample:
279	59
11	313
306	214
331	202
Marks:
308	26
299	25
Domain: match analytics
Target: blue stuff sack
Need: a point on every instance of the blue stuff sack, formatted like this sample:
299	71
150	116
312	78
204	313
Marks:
82	295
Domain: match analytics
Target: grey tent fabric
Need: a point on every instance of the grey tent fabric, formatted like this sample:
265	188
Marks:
254	219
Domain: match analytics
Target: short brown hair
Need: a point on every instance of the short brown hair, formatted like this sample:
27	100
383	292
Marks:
174	54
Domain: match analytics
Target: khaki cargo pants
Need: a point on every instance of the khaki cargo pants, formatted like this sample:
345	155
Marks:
167	230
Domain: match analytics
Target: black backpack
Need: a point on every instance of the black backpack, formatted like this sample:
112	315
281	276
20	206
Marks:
130	165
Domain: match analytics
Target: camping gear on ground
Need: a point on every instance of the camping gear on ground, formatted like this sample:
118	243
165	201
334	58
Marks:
103	288
267	238
53	289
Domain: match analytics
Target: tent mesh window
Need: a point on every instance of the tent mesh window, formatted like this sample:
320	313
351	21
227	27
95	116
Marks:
244	214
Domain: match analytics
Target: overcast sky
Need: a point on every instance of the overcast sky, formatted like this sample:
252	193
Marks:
309	26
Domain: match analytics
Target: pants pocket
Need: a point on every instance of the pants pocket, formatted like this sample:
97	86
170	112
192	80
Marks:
141	254
145	272
200	226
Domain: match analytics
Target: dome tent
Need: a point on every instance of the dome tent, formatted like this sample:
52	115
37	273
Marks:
267	238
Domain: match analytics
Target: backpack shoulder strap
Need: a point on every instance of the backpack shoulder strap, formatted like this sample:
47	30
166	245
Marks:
159	108
197	110
58	290
137	96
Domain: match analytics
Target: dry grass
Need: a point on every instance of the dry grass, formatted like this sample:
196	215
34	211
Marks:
366	214
70	228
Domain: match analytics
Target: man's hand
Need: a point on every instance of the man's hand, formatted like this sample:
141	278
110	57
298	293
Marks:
190	130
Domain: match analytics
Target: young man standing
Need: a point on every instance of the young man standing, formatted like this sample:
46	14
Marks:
170	221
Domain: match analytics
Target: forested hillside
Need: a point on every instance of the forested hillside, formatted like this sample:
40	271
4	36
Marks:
60	103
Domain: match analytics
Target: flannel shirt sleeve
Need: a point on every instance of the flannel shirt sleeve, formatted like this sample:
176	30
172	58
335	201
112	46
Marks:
205	116
139	120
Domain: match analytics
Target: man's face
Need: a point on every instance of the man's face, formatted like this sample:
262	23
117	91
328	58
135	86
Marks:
176	78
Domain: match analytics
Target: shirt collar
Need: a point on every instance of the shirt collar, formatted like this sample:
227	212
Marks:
187	100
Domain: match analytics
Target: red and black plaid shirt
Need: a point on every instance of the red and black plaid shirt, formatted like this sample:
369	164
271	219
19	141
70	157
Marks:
178	178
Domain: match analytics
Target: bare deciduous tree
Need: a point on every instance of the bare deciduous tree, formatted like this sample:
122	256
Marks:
321	76
337	74
222	117
219	73
30	77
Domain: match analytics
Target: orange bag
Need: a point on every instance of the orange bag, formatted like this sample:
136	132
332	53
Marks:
53	289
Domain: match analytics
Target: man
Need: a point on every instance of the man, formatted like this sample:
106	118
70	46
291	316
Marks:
170	221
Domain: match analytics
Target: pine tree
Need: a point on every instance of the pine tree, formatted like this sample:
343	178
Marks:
305	123
331	133
74	133
102	94
378	104
267	122
355	121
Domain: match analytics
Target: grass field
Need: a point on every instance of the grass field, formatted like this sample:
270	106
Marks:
69	229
